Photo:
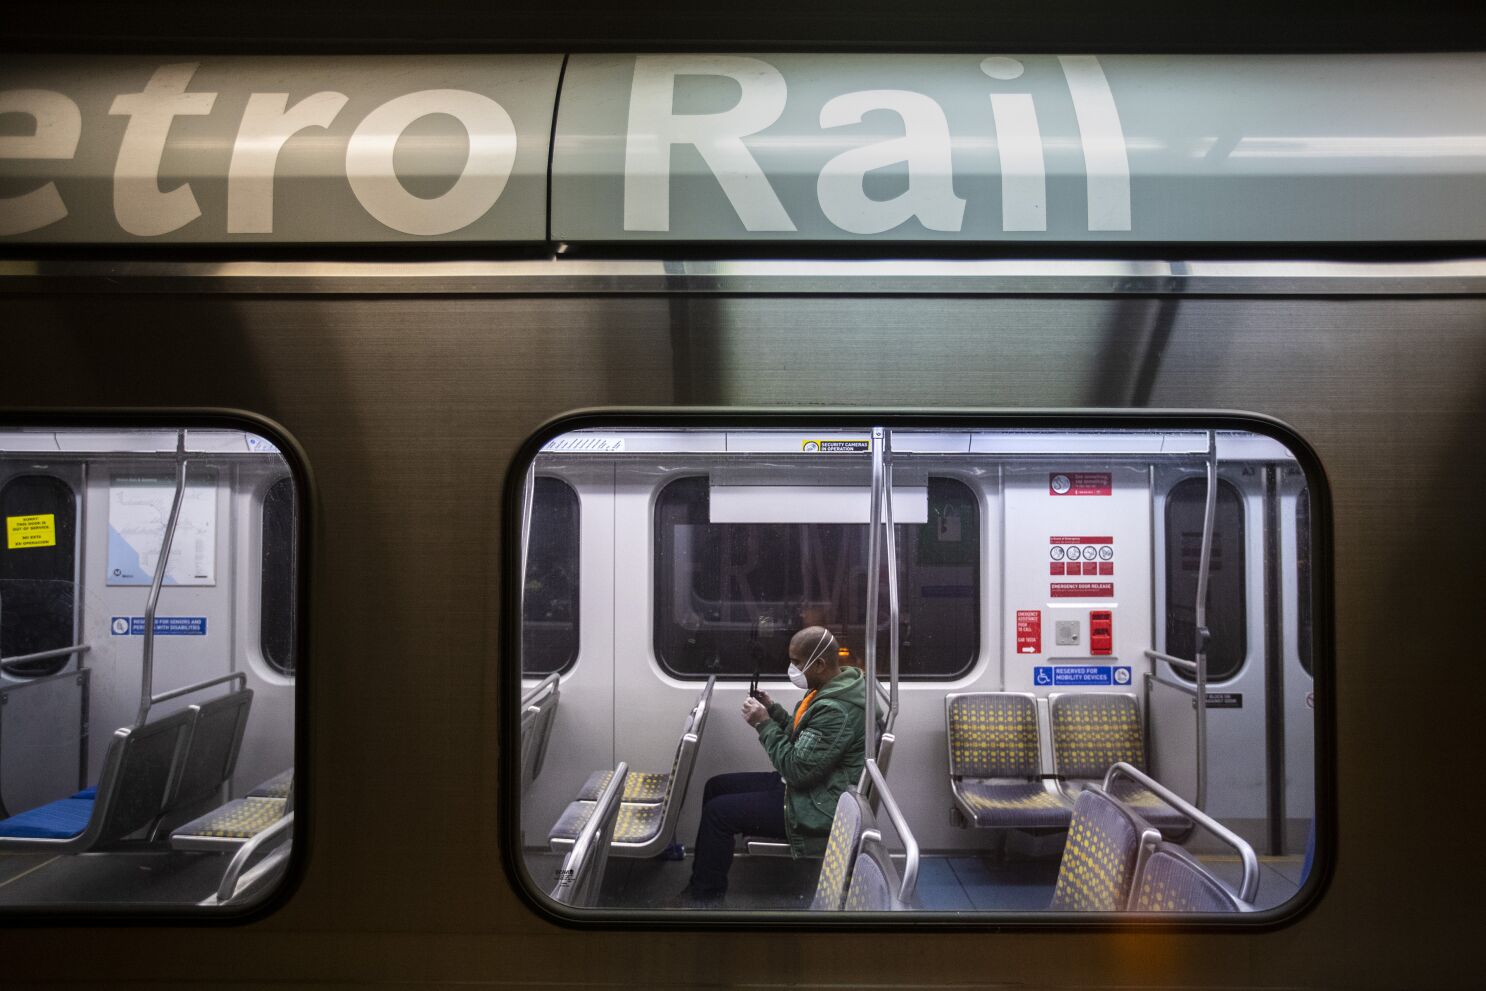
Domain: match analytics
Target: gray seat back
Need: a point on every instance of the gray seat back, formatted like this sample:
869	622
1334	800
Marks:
993	735
685	759
215	743
582	872
874	880
1092	731
851	820
538	715
1104	841
1167	879
140	774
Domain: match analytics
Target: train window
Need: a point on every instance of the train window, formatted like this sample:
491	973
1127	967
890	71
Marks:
1226	616
276	584
722	749
549	636
1303	579
38	605
148	761
728	595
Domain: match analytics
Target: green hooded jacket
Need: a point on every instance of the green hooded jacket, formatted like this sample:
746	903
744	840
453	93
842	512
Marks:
819	759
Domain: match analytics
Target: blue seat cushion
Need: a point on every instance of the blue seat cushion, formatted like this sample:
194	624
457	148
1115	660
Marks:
88	793
59	820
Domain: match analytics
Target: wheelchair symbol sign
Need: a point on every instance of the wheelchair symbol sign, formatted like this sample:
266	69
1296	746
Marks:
1122	676
1043	676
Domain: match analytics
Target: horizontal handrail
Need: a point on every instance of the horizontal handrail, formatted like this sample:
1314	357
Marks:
910	845
535	692
1186	690
1250	884
41	655
176	693
228	887
1182	663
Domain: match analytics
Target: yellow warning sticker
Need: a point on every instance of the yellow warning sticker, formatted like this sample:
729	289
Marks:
811	446
31	531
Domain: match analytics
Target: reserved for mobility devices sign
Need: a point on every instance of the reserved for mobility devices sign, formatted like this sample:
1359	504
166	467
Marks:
1080	674
165	626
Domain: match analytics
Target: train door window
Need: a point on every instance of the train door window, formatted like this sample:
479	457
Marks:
715	551
276	585
147	758
729	595
38	605
1303	578
549	636
1226	618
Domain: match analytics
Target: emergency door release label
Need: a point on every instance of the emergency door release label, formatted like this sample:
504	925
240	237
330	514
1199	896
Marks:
1082	590
1079	483
1080	674
1029	631
39	530
165	626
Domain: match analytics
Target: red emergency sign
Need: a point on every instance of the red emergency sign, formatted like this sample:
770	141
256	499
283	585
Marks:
1082	590
1029	631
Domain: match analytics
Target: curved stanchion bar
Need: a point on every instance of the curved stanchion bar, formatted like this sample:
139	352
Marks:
582	869
909	882
1249	887
239	861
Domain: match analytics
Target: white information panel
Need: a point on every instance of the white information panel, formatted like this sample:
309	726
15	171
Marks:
138	510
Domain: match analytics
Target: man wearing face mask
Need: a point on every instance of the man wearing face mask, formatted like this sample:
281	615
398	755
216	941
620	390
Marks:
817	752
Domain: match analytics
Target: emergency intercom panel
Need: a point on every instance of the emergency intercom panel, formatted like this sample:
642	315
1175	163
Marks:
1077	538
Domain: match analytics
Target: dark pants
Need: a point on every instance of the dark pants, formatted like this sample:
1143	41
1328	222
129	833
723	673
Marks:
751	803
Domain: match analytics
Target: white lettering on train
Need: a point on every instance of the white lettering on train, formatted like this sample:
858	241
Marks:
1019	152
924	146
59	124
655	127
140	205
492	155
267	125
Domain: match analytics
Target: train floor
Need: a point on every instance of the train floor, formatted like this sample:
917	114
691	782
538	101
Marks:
947	882
116	877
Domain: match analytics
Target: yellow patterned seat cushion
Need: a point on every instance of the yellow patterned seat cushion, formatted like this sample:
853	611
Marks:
277	786
239	820
636	823
645	787
1014	804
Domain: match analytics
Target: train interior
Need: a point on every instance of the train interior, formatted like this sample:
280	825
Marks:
146	698
1040	608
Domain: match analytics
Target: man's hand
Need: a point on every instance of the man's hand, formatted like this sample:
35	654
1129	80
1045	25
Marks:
754	714
764	698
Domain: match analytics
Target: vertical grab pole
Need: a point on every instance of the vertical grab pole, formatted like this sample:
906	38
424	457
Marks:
528	493
874	522
890	538
1200	654
147	670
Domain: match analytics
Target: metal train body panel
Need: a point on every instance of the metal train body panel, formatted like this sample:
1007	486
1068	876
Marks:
411	391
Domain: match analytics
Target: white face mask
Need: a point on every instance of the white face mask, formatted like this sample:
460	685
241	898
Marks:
797	674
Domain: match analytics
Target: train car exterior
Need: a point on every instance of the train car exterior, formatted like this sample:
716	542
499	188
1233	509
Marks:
417	388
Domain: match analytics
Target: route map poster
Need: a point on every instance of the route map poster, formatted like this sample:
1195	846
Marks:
138	510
